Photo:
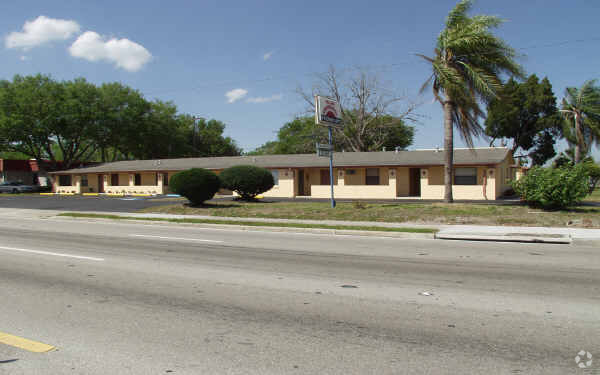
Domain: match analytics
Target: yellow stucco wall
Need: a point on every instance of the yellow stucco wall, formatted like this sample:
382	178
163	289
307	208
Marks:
435	190
362	191
505	174
358	178
285	188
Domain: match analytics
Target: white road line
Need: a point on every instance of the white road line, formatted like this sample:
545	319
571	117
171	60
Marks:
174	238
50	253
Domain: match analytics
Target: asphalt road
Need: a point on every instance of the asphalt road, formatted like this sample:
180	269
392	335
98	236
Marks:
126	298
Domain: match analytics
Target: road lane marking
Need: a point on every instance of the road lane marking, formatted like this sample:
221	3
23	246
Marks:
50	253
19	342
174	238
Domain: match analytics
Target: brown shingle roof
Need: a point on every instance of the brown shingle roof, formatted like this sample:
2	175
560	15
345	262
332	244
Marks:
479	156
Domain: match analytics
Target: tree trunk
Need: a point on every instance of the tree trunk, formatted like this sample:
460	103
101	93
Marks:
448	151
579	137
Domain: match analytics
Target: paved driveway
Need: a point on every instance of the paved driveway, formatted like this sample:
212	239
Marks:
80	203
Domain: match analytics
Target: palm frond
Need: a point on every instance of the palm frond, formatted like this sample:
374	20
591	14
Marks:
458	15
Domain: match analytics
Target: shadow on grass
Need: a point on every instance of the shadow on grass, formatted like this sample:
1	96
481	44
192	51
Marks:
211	205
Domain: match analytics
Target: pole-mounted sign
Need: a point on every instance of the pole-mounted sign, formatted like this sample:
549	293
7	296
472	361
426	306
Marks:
328	113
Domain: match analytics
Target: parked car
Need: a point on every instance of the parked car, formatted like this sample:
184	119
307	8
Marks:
16	187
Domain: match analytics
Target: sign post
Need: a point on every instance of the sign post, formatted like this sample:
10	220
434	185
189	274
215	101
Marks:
328	113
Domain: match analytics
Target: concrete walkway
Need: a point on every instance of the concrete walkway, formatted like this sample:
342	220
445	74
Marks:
455	232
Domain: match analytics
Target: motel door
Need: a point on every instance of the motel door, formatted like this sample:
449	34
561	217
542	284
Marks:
300	182
325	177
100	183
415	182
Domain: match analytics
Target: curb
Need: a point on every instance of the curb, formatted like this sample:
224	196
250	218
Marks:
501	238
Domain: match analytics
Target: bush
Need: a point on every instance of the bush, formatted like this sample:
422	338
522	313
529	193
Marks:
247	181
196	184
553	187
593	170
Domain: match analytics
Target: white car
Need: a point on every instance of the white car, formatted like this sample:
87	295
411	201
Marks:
16	187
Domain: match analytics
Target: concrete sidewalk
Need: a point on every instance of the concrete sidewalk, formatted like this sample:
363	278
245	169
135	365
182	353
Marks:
449	232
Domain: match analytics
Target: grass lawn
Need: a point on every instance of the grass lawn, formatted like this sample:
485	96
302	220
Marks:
254	224
436	213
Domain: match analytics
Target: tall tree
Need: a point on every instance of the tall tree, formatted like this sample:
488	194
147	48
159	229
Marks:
206	138
124	112
39	116
467	64
527	114
372	114
581	107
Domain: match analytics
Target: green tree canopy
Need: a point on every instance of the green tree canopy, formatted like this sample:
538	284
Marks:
526	113
77	121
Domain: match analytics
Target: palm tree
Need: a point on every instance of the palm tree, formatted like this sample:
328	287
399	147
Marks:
582	105
467	63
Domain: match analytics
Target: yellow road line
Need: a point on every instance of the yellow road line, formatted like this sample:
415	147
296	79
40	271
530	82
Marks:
19	342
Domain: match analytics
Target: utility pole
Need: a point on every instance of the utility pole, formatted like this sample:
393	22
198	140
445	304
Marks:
331	166
195	130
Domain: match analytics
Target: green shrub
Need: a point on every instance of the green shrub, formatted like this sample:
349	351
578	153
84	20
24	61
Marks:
196	184
593	170
553	187
247	181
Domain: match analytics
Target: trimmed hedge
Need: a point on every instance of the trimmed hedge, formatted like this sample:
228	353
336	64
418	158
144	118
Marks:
247	181
553	188
196	184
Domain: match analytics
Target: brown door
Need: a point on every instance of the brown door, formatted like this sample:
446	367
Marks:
325	177
415	182
300	182
100	183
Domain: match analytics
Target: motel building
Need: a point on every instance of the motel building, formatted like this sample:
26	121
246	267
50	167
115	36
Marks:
479	174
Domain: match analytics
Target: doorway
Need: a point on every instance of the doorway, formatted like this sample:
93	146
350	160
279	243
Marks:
301	182
415	182
100	183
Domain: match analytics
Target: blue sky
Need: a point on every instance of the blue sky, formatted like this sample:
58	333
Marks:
194	52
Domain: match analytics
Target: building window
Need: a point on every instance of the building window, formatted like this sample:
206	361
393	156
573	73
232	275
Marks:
64	180
137	179
372	176
275	174
465	176
84	180
114	179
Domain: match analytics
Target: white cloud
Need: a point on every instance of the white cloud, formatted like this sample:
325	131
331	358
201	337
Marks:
268	55
265	99
40	31
24	58
123	53
235	95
